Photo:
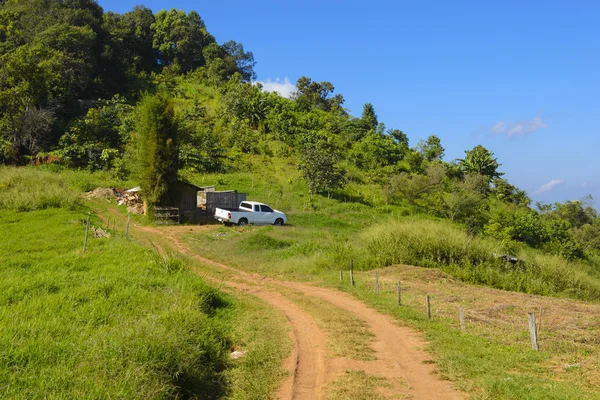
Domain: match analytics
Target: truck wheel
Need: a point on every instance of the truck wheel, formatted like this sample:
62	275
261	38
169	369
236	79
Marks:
243	222
278	222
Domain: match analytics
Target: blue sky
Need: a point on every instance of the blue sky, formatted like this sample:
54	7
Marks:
521	78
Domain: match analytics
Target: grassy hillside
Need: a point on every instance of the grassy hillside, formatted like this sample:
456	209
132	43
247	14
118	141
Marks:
118	321
355	224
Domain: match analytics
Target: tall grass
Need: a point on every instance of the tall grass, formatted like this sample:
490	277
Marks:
439	244
115	322
26	189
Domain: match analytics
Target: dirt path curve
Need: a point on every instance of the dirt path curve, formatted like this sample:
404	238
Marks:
398	354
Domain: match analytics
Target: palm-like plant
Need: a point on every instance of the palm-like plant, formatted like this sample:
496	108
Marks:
480	161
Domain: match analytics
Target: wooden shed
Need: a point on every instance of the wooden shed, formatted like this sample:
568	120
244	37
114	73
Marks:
185	198
196	204
229	199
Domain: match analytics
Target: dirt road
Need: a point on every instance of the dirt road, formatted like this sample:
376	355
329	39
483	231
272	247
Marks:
398	355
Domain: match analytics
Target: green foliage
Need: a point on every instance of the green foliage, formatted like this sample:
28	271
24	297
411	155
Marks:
440	245
96	140
317	95
465	199
376	151
369	118
481	161
262	241
508	193
180	38
414	188
317	163
431	149
157	152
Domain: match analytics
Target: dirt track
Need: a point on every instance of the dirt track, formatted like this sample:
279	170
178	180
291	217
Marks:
399	359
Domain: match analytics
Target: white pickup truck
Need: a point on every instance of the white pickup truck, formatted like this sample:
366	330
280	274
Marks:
250	212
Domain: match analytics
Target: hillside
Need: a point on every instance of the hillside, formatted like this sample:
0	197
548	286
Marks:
93	99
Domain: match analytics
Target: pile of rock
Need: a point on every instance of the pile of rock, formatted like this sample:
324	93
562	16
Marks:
132	198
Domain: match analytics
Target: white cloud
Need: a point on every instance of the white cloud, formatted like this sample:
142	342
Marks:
518	128
284	88
550	185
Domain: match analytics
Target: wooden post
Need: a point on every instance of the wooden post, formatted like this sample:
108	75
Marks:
127	227
352	272
532	331
539	329
428	307
87	231
376	282
341	276
398	293
461	314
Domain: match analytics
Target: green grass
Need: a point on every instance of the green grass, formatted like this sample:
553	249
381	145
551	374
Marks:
439	244
119	321
26	189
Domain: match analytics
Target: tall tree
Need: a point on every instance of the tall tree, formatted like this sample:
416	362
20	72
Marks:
369	118
312	94
431	149
158	161
180	38
317	163
481	161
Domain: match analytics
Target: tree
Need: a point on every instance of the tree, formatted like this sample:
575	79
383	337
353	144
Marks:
180	39
431	149
157	149
369	118
508	193
399	136
465	198
375	150
413	187
317	163
316	95
481	161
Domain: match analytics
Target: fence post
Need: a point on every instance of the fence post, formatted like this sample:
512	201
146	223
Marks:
398	293
461	314
352	272
533	331
127	227
87	230
376	282
428	307
539	329
341	276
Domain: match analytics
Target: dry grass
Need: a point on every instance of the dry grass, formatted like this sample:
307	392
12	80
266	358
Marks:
569	328
357	385
352	337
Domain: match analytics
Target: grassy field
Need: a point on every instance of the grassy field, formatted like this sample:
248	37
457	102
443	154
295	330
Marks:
118	321
491	360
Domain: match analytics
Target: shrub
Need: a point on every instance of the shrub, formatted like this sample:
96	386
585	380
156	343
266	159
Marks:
474	260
